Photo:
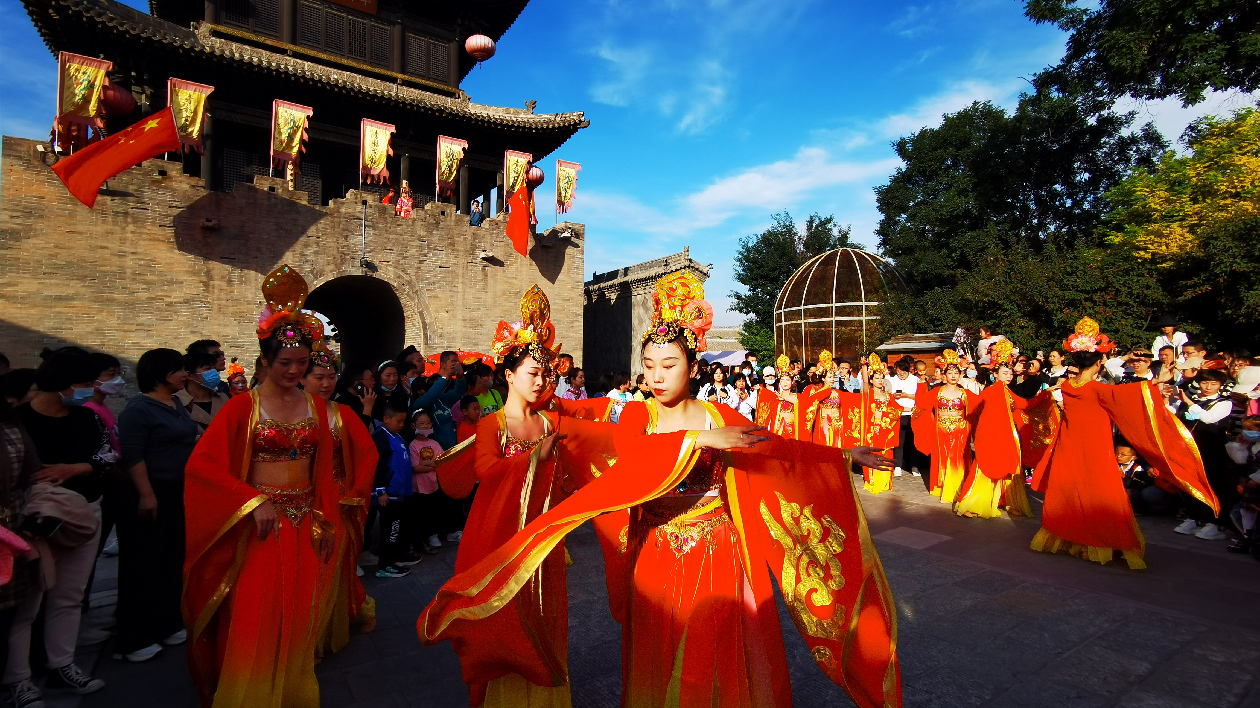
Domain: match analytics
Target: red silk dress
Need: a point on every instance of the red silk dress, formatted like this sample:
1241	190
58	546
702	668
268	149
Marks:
996	479
1087	512
876	423
354	466
252	607
942	429
699	624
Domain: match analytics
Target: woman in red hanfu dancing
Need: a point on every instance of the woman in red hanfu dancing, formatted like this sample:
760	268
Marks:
1087	511
779	411
354	466
877	422
942	427
692	519
996	479
261	504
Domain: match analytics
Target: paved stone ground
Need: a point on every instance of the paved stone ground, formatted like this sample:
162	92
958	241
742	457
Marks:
983	622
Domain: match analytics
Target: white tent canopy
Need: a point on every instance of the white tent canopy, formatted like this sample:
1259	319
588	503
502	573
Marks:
732	358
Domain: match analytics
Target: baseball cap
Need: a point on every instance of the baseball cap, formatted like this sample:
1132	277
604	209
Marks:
768	371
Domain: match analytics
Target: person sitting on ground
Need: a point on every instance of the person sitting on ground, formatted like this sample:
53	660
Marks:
200	395
393	485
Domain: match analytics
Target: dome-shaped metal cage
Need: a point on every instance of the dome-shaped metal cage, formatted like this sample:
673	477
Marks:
829	303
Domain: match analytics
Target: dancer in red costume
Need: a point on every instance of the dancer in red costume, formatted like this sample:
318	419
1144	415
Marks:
261	500
823	407
694	531
875	422
996	479
354	464
942	428
1087	512
779	412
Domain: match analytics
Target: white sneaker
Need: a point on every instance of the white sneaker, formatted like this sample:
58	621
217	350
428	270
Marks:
176	639
1187	527
433	541
896	471
1210	532
915	471
454	536
111	549
140	655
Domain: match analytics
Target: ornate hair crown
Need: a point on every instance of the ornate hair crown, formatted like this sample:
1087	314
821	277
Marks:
285	291
679	309
826	362
1002	352
1088	338
950	358
877	365
781	365
534	332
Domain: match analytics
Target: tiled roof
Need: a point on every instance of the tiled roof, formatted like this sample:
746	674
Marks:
51	18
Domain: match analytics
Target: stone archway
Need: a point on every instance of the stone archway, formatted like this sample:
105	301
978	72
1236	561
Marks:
369	317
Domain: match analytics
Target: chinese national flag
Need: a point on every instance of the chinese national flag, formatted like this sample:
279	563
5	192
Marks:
518	218
86	170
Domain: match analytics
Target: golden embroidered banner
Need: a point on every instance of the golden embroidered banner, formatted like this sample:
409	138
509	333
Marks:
373	149
566	184
515	165
450	152
80	82
188	103
288	131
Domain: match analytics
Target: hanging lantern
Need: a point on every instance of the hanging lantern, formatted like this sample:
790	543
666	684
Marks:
117	101
479	46
534	176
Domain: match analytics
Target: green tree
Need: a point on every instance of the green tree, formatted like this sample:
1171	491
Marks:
986	180
1196	219
765	261
1154	48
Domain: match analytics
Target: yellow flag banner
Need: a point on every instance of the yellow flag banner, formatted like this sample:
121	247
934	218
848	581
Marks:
373	149
188	103
566	184
80	82
288	132
515	164
450	153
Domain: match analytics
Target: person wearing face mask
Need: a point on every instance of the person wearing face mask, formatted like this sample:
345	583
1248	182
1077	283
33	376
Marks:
389	390
74	447
200	395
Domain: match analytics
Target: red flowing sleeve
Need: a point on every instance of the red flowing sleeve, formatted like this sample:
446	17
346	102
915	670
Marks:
998	453
807	412
1038	422
767	408
923	420
362	457
1159	437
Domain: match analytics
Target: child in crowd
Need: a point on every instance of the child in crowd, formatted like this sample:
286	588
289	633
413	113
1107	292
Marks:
619	393
425	514
1146	493
393	485
472	410
1244	451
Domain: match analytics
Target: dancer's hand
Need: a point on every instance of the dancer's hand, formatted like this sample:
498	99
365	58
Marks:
266	520
731	437
870	457
548	446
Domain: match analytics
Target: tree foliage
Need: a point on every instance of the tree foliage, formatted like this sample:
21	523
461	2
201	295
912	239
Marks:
1196	218
1154	48
986	180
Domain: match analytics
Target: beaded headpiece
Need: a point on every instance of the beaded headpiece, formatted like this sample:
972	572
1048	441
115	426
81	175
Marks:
1088	338
325	358
826	362
1002	352
950	358
285	291
781	365
877	365
534	332
679	309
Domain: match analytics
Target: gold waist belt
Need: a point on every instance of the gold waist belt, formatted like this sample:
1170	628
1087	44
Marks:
684	531
294	503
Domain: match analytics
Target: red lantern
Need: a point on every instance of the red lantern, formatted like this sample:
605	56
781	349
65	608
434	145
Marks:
534	176
479	46
117	101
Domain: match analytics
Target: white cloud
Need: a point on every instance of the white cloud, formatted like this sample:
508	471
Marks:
1172	118
928	112
628	67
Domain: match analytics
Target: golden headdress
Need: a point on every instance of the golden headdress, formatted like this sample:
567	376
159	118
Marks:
233	369
826	362
1088	338
534	332
877	365
1002	352
949	358
782	365
285	291
326	358
679	309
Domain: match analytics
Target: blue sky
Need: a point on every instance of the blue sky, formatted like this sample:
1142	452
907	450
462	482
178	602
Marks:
708	116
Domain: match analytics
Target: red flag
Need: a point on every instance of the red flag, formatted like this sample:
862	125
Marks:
86	170
520	207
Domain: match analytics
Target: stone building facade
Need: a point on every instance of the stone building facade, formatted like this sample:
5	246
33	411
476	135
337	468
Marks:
619	308
161	262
